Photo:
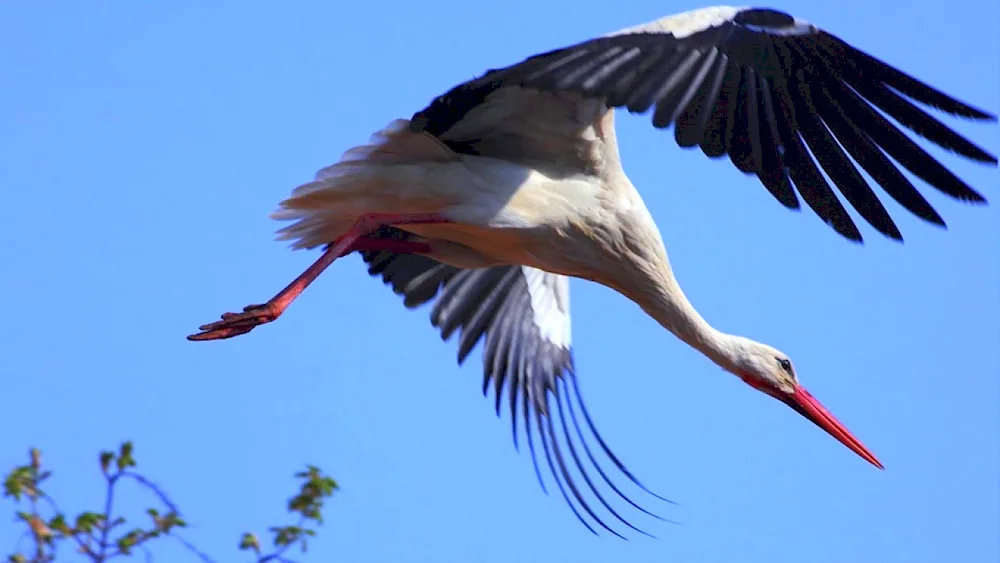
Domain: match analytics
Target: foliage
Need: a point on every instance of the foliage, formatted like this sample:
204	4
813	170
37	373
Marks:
104	535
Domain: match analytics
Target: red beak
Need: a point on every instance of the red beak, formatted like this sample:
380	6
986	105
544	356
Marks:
806	405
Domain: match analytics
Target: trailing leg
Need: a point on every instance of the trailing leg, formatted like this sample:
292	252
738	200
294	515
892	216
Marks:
235	324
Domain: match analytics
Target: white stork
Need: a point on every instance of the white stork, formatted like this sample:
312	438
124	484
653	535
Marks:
493	194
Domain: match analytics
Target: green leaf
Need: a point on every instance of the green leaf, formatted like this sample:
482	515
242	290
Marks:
169	521
327	486
12	485
125	458
127	542
87	521
59	524
285	535
250	541
20	481
106	458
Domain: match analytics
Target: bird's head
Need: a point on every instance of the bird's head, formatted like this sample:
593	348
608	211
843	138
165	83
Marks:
770	371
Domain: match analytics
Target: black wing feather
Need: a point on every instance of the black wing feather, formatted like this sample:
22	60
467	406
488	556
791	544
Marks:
786	101
493	306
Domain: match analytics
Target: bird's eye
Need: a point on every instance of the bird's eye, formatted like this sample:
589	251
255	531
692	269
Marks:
785	364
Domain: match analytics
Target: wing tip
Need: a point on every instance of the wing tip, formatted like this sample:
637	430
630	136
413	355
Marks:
975	114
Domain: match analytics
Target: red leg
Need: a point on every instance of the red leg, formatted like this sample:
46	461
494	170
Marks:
235	324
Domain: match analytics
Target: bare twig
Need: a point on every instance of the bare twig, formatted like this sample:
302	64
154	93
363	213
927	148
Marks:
109	499
205	558
153	487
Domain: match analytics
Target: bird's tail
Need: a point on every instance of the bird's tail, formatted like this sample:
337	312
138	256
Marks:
397	171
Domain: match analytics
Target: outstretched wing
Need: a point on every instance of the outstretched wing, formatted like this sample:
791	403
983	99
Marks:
522	316
766	89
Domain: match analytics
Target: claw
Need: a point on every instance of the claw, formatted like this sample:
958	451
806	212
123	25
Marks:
220	334
235	324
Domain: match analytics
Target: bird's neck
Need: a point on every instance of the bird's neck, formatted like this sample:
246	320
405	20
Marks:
654	288
665	302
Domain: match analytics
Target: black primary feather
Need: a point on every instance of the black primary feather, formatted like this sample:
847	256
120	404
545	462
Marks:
493	306
785	100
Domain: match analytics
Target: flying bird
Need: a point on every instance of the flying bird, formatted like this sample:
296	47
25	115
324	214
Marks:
487	200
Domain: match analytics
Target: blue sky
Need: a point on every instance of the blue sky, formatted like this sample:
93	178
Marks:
144	144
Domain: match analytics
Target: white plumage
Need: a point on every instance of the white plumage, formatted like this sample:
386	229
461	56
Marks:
550	305
487	199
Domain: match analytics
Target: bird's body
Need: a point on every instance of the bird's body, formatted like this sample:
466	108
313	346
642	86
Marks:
575	220
492	196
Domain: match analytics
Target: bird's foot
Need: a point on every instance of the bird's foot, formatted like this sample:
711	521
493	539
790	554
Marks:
235	324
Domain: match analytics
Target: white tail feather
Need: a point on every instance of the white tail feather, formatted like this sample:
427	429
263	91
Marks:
394	144
390	174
